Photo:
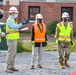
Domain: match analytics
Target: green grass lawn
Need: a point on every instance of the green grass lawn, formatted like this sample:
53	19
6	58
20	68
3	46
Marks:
24	47
74	46
27	47
51	47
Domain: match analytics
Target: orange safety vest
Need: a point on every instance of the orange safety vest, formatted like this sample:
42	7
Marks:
39	36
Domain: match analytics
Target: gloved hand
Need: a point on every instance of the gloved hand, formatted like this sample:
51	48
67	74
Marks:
25	21
2	34
33	43
46	42
56	41
71	42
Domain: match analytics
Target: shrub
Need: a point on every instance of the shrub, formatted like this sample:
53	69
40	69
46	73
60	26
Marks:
74	34
74	46
22	47
26	32
52	27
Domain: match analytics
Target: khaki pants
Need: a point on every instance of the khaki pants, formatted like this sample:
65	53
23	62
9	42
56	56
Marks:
12	47
37	53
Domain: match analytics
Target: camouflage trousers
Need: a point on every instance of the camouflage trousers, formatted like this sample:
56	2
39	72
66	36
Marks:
64	50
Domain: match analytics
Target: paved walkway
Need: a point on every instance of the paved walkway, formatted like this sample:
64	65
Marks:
49	62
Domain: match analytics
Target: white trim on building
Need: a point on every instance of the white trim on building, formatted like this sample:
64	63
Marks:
11	2
14	2
17	2
50	0
62	1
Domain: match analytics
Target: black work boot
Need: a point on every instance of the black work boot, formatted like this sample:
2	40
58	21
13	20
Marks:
39	66
32	67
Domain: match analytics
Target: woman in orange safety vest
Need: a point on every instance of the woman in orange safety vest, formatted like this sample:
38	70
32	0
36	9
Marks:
39	40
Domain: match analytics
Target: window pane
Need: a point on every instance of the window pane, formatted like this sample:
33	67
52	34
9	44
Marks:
33	10
32	15
68	10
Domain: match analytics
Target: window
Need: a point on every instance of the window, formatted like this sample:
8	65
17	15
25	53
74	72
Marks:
68	10
1	2
33	10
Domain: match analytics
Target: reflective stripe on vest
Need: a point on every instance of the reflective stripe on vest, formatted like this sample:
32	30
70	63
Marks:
64	34
14	35
38	39
12	31
39	36
0	35
61	37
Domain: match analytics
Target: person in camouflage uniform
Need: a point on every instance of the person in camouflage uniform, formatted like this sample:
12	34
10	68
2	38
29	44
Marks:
64	35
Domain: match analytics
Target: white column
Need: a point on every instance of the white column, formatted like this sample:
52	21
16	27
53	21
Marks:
4	2
14	2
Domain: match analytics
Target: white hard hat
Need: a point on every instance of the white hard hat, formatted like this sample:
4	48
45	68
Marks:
65	14
13	9
38	16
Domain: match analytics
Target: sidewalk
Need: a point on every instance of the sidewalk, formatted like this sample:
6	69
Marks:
49	62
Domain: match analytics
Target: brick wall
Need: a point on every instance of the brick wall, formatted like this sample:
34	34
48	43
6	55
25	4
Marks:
1	6
50	11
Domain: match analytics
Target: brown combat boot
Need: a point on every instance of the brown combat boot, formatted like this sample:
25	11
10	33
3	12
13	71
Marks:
61	65
65	63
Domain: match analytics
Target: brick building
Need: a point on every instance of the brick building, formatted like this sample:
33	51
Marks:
50	9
